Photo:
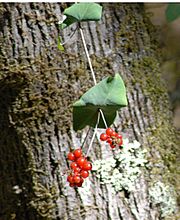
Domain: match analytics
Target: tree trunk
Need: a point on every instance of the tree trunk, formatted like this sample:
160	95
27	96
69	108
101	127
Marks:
39	83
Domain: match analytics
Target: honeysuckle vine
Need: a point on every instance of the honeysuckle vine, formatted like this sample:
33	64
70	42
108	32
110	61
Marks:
98	106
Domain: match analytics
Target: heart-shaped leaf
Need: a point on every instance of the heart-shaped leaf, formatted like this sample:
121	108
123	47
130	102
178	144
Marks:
172	11
81	12
108	95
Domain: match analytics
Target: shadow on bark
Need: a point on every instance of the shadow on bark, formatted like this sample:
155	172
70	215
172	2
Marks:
15	180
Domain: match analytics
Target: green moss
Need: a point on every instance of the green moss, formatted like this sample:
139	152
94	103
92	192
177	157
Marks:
26	108
164	141
41	197
146	72
141	58
162	137
43	200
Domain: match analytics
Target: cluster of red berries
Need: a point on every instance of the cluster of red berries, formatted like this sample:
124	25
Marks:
79	168
112	138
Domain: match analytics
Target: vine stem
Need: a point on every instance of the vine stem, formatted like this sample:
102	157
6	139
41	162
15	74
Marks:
94	134
85	138
87	55
91	68
100	112
103	118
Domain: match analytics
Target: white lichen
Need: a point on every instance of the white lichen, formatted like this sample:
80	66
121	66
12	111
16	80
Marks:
122	170
164	196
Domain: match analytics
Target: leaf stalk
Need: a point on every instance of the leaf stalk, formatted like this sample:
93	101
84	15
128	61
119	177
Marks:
91	68
85	138
87	55
103	117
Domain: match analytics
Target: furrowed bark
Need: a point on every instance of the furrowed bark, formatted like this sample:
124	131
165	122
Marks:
39	83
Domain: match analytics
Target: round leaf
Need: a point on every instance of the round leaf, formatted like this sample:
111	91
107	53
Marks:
82	12
108	95
172	11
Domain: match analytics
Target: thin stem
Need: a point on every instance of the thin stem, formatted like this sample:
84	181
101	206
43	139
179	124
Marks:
91	68
85	137
87	55
103	118
94	134
94	79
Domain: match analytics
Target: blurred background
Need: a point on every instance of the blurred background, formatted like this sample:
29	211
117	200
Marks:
170	43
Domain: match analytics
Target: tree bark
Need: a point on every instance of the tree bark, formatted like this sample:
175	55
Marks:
39	83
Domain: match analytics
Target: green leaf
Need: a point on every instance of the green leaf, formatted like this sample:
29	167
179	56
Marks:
108	95
172	11
60	46
81	12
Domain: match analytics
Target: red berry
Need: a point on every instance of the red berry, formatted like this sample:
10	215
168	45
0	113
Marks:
80	161
113	134
72	184
109	131
80	183
77	179
87	165
103	137
70	156
77	153
77	170
77	174
112	146
70	179
109	141
84	173
73	165
118	136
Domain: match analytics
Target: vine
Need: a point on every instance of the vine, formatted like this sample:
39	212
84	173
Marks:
96	108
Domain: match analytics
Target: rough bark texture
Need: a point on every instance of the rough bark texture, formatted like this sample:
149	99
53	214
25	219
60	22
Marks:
39	83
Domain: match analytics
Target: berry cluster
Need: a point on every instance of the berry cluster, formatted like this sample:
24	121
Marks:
79	168
112	138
